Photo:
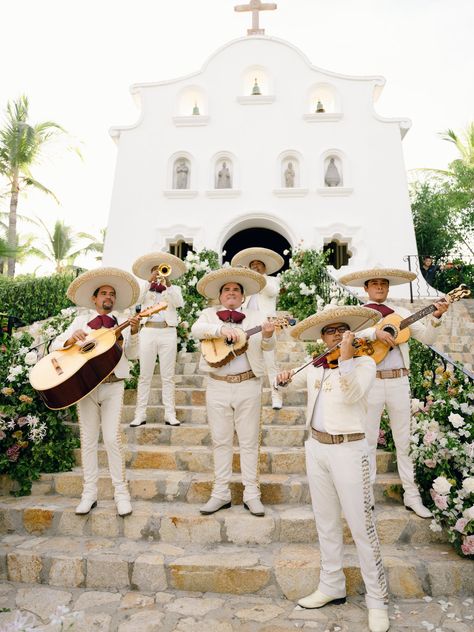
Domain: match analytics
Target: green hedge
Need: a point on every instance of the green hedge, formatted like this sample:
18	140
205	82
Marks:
31	298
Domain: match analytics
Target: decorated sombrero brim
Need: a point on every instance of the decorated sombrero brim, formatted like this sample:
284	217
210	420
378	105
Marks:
143	265
394	276
211	283
125	285
356	317
272	260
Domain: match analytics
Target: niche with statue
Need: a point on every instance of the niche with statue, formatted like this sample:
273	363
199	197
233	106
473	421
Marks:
181	173
333	176
223	174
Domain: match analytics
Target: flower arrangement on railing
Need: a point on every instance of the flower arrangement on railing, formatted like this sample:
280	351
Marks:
443	452
33	439
197	265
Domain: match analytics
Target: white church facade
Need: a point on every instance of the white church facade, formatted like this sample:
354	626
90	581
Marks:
261	148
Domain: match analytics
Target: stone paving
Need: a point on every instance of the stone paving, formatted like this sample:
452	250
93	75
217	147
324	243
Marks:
32	607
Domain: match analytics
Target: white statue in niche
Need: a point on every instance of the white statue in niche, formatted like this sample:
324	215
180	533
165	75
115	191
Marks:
332	177
289	176
224	180
182	174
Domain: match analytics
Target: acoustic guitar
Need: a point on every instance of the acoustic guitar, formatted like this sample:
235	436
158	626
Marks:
218	351
65	376
398	327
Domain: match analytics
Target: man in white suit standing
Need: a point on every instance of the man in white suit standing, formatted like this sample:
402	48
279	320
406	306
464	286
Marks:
337	461
265	262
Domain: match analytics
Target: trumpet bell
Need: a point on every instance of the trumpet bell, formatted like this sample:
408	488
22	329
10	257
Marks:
164	270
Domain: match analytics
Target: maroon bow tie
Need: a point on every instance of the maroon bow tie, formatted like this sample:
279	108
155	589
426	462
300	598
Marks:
321	362
230	316
382	309
102	320
157	287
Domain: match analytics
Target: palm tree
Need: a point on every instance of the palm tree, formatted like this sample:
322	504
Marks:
464	143
61	245
21	147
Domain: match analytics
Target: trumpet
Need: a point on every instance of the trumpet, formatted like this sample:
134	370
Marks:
163	271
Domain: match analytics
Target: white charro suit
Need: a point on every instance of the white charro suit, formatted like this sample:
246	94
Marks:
161	342
102	408
265	301
394	394
338	474
234	404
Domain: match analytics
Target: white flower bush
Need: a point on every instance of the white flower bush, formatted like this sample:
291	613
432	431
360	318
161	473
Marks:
443	452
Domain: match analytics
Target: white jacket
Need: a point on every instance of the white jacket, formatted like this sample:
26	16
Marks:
172	296
208	325
344	400
130	342
425	333
267	298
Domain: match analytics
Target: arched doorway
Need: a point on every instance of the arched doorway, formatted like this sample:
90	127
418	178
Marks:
257	237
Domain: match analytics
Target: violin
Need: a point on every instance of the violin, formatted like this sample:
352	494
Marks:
362	348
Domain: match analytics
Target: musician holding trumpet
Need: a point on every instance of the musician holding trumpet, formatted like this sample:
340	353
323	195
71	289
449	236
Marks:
337	460
158	336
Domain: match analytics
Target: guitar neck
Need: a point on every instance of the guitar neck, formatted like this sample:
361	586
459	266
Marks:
253	330
406	322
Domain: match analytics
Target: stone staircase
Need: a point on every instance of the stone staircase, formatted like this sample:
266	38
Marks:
167	544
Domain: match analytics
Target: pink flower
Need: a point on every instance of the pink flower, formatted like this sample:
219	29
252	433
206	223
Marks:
461	524
13	453
430	463
429	437
467	546
440	501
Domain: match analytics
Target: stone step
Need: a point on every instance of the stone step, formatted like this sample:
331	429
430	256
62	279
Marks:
196	487
189	396
289	570
182	524
199	458
288	415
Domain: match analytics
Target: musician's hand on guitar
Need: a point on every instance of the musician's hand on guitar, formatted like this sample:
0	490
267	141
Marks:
134	323
268	327
386	338
284	378
441	308
77	336
229	334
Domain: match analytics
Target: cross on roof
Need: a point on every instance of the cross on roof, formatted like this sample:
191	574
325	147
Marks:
256	6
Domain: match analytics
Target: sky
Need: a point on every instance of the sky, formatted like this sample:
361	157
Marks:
76	61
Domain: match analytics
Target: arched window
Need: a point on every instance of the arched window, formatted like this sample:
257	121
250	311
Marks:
339	253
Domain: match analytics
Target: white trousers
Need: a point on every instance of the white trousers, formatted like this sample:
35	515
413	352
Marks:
269	357
239	406
394	395
338	477
153	343
102	408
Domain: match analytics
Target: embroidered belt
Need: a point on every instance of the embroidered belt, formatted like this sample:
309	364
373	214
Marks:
234	379
325	437
157	325
111	379
389	374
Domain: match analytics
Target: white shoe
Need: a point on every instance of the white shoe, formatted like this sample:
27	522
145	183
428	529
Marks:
172	421
416	505
138	421
378	620
124	507
277	402
214	504
255	507
319	599
87	503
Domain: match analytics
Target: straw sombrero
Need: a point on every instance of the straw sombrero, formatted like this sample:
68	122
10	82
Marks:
125	285
143	265
356	317
394	276
272	260
211	283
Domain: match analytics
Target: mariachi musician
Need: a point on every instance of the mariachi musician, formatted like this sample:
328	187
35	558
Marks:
266	262
158	335
102	292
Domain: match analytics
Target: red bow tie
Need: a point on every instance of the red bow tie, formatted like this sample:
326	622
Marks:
102	320
383	309
230	316
157	287
321	362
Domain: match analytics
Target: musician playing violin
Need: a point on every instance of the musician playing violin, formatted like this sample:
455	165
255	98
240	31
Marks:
234	390
337	457
391	388
103	291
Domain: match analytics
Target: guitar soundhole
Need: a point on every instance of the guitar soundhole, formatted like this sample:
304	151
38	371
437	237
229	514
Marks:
89	346
393	331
